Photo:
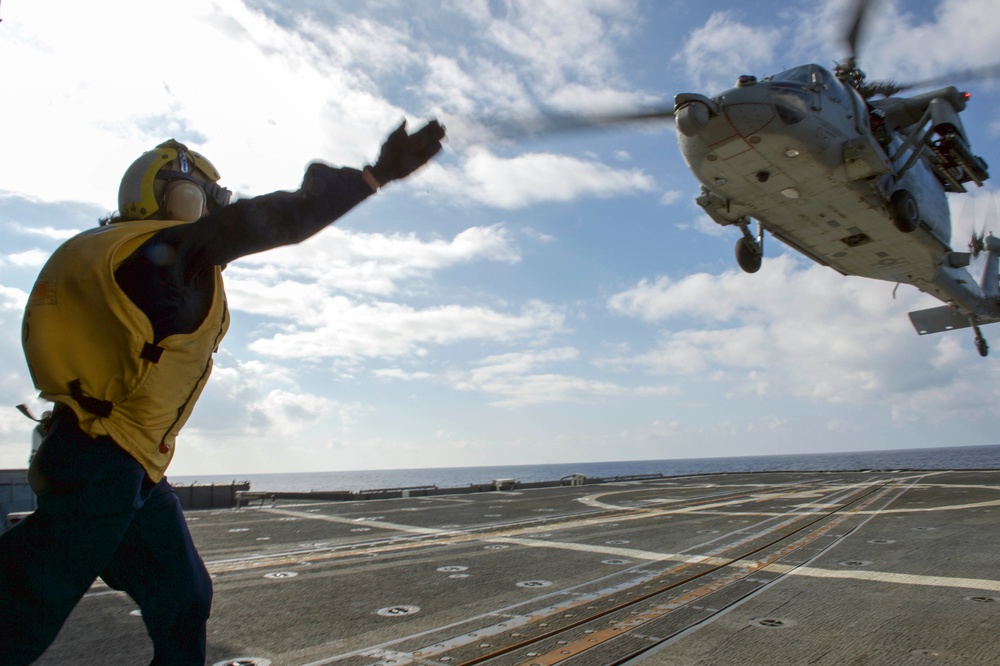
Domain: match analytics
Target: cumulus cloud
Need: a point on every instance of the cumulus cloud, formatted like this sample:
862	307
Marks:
532	178
909	45
339	327
43	232
802	329
579	38
28	259
896	42
346	261
525	378
224	103
312	295
726	45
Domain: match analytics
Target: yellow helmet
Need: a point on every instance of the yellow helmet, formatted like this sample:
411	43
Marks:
173	181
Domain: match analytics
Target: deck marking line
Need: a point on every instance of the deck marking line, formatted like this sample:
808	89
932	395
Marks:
604	550
740	572
890	577
366	523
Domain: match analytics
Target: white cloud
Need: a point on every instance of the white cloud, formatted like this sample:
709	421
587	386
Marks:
219	92
803	330
523	378
595	100
44	232
519	363
373	49
339	260
339	327
532	178
724	44
578	38
897	40
28	259
671	197
911	46
337	84
461	89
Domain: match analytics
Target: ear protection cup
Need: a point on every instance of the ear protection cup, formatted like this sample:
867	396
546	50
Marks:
140	195
183	200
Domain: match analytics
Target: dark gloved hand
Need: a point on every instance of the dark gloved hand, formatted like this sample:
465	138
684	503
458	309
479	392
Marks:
403	153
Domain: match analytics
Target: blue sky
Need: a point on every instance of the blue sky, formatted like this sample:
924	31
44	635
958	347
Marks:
544	300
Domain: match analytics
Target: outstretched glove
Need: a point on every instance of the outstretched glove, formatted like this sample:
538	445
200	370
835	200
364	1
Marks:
403	153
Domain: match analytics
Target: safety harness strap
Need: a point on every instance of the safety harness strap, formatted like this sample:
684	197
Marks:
95	406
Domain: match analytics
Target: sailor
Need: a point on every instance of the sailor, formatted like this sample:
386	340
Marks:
119	332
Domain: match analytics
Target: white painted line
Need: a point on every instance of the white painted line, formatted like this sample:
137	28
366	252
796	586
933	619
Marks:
889	577
605	550
355	522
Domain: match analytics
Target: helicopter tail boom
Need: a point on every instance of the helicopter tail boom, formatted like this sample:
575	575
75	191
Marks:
950	318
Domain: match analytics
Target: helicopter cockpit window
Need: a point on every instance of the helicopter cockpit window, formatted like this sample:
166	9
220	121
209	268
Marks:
791	103
801	74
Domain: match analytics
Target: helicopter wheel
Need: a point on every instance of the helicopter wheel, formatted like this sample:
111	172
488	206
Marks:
748	255
905	212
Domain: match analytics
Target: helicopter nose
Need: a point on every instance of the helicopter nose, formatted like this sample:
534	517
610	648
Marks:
692	112
749	118
747	109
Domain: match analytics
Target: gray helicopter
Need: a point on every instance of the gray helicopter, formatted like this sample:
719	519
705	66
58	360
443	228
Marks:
853	182
840	169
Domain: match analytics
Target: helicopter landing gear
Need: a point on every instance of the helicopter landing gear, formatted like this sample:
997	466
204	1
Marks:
904	211
749	250
981	345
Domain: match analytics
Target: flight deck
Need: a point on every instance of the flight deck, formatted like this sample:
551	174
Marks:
867	567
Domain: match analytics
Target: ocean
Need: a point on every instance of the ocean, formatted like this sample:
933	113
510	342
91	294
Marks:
961	457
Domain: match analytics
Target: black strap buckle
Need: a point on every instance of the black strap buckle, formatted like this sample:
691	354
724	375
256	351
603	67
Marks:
96	406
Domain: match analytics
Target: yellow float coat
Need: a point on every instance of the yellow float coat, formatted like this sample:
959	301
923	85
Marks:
79	326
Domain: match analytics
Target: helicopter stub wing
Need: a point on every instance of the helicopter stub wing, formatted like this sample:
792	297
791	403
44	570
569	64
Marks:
944	318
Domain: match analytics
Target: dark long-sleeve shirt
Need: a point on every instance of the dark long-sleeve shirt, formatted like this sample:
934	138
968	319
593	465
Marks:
169	277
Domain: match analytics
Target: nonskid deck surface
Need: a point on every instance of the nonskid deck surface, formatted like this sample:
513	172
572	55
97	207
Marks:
876	567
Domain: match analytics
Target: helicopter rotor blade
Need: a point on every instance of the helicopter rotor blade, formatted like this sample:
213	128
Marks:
989	222
857	22
982	73
517	128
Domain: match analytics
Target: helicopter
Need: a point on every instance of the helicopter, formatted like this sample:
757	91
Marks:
853	182
842	170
